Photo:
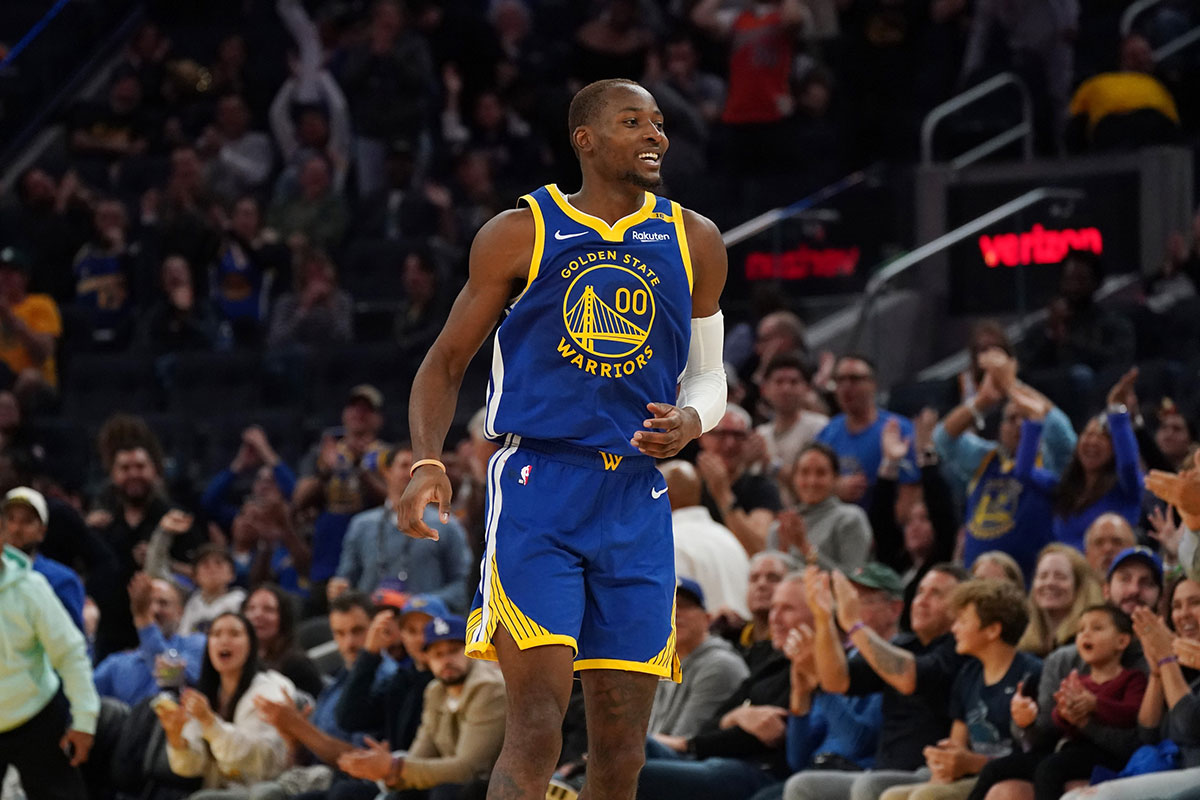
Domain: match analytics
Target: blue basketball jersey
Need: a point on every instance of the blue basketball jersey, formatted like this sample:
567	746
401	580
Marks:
601	329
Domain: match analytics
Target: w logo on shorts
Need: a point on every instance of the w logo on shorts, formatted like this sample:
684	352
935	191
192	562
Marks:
611	460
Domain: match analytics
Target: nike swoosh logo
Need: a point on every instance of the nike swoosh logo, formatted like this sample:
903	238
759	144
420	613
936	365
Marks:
657	493
560	235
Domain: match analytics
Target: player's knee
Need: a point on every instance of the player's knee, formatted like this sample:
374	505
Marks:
619	758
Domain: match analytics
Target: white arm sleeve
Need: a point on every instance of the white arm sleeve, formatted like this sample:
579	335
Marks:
702	384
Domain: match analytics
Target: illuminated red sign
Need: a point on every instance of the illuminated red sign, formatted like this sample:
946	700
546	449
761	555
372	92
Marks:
803	262
1037	245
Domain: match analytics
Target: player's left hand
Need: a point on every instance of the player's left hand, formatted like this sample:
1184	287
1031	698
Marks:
670	429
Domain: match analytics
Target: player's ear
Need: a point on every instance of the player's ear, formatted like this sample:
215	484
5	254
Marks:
581	137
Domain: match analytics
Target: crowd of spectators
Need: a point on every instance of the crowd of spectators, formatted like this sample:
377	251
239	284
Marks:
981	601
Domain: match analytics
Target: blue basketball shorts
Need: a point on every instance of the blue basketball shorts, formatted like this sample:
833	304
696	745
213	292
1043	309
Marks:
579	553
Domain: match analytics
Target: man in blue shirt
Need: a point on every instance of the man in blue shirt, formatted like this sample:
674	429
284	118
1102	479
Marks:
25	516
855	433
134	675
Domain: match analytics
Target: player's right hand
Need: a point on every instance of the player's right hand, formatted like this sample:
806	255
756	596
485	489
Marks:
429	485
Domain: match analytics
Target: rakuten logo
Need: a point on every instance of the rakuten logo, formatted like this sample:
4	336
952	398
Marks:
642	236
1037	246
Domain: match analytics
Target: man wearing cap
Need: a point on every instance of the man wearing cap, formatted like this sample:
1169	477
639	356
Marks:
30	325
25	516
371	556
48	705
341	477
133	675
462	726
712	670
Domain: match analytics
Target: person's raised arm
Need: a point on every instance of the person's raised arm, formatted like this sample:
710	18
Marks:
500	260
828	656
895	665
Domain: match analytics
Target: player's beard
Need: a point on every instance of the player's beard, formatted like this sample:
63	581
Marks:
641	181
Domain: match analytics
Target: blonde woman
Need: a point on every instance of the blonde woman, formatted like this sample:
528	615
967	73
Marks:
1000	566
1063	586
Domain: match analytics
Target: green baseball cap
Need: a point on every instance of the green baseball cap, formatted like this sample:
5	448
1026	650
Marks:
874	575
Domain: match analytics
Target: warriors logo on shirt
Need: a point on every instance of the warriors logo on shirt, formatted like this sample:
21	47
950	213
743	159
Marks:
608	311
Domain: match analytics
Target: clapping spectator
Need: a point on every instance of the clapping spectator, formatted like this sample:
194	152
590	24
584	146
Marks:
178	321
317	311
315	214
822	528
250	269
744	501
30	327
103	272
239	159
254	453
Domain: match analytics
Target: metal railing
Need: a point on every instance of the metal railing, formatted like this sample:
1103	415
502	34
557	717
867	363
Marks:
1021	132
1134	11
804	208
906	262
1184	40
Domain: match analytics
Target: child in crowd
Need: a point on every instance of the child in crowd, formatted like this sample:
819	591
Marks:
213	596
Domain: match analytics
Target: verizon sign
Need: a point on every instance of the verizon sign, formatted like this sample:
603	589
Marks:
1038	245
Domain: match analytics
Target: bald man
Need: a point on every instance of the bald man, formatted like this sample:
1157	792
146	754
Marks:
705	550
1108	535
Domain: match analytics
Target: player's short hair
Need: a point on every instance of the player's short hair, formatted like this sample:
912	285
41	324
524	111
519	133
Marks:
589	100
995	601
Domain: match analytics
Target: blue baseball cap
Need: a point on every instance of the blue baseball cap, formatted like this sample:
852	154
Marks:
445	629
429	604
1143	554
690	588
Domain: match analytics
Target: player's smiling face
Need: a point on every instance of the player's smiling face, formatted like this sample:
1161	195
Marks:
630	137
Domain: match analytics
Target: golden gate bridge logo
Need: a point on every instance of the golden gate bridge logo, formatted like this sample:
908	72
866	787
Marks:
614	328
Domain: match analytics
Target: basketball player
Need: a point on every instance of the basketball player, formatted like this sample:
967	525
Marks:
610	298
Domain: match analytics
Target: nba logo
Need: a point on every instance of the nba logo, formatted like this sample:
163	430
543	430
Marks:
525	470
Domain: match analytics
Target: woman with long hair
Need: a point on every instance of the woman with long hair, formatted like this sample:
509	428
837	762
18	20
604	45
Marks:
215	731
272	613
1063	586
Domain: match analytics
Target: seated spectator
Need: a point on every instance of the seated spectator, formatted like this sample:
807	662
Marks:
254	453
1063	747
462	725
930	532
744	502
178	320
822	527
372	555
24	516
1002	511
914	671
1000	566
1063	585
30	327
854	435
1175	435
166	655
1103	475
239	159
404	208
426	302
52	220
214	593
250	270
752	635
739	750
785	388
1127	108
103	272
341	476
705	550
272	613
712	670
116	128
1080	336
989	618
316	311
1107	536
613	43
215	731
315	215
48	705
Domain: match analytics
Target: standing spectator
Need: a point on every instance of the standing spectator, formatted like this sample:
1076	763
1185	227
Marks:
1175	434
388	81
705	550
1126	108
317	311
745	502
25	516
405	206
215	731
30	327
254	453
835	534
272	613
239	159
316	214
613	44
712	670
214	574
462	724
342	476
51	222
371	555
855	435
178	320
249	270
426	302
785	388
134	675
48	706
103	273
103	133
1104	474
1063	586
